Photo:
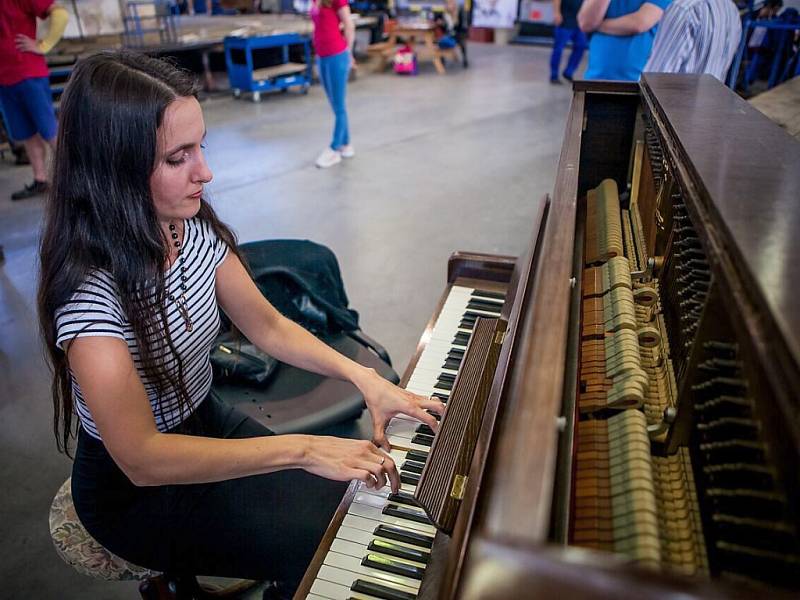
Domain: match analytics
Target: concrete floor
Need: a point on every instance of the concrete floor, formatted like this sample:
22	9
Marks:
448	163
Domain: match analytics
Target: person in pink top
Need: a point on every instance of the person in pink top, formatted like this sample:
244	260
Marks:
334	34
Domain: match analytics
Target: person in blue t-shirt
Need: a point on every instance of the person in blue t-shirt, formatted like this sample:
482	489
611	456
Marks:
623	33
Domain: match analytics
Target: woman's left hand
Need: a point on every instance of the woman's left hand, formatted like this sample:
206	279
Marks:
385	400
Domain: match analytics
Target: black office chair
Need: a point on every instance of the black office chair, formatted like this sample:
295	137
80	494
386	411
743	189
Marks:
302	280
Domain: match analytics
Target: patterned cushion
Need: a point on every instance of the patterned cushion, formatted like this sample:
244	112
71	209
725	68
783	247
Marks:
74	544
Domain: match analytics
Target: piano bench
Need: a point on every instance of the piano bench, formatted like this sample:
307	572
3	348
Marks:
85	554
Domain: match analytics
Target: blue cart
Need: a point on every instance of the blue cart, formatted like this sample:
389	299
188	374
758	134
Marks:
244	77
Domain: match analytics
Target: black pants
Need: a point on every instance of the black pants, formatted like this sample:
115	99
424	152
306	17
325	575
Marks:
264	527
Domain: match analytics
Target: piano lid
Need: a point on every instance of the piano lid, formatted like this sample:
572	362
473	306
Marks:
750	170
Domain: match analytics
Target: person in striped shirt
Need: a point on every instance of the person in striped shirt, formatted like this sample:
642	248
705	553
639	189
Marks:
696	36
135	266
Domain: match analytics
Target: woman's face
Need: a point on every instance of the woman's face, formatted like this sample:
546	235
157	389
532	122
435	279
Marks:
181	170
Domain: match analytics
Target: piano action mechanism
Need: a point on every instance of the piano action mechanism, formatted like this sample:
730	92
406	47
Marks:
621	400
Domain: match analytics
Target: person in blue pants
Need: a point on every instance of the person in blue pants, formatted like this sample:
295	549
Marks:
565	18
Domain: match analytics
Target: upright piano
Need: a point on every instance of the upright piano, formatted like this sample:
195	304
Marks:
621	400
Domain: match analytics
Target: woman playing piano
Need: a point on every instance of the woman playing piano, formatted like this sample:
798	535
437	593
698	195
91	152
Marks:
134	268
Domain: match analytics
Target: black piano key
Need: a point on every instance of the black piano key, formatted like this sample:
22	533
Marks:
422	439
466	324
422	428
443	385
396	510
488	294
412	467
409	478
461	339
489	307
381	563
456	353
452	364
417	456
386	547
443	398
380	591
447	377
407	536
471	314
403	498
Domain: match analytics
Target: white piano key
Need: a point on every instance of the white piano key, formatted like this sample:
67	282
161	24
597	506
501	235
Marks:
330	590
371	499
349	548
403	417
486	313
353	564
434	368
402	428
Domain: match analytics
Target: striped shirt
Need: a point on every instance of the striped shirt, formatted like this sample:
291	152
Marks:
95	310
696	36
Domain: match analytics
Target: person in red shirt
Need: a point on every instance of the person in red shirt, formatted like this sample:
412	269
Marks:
25	97
334	35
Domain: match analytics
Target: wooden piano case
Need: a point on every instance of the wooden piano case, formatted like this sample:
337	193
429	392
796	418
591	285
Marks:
708	224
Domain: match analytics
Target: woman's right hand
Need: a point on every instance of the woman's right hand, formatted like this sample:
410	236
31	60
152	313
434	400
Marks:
343	459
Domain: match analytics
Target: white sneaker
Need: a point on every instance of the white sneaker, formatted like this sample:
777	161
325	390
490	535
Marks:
328	158
347	151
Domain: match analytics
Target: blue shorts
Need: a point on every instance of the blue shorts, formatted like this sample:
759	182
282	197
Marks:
28	109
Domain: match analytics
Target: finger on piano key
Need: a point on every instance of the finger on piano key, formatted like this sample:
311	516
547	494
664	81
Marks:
357	570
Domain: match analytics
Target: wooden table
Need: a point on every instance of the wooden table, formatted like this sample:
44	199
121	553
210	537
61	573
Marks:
423	32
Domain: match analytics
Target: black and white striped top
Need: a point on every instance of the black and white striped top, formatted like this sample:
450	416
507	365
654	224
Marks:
95	310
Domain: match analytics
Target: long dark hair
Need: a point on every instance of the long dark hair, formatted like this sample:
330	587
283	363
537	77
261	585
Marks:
100	212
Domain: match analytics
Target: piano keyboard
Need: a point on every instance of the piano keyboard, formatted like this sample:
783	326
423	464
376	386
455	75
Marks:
382	547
